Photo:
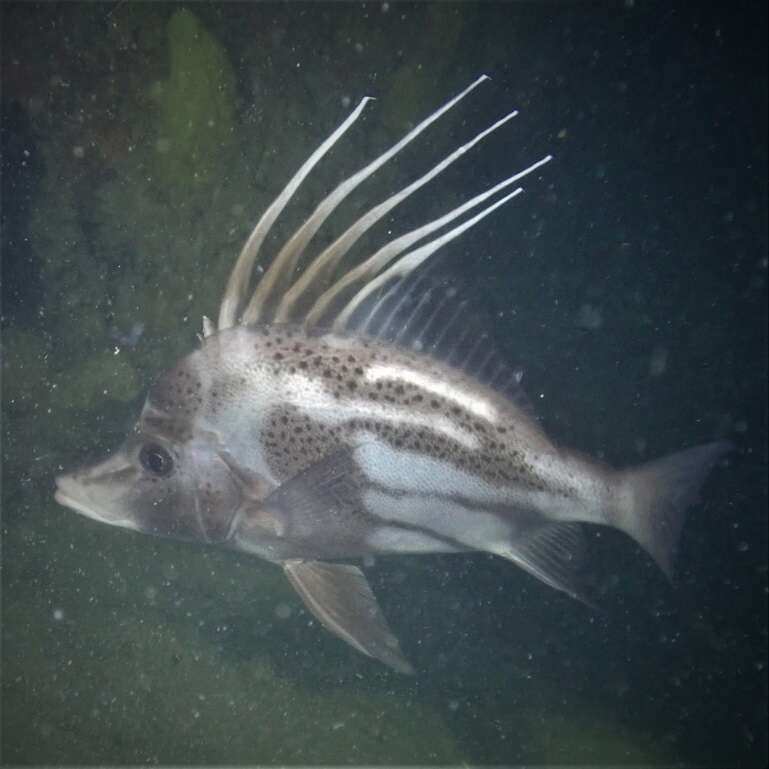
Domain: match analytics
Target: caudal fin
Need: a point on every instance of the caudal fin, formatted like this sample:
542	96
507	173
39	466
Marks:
653	498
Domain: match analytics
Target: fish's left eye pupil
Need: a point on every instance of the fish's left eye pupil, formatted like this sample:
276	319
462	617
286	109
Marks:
156	459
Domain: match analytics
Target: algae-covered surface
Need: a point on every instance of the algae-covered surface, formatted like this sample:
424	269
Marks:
141	142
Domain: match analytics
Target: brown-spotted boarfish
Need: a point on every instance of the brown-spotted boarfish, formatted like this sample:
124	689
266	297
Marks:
345	407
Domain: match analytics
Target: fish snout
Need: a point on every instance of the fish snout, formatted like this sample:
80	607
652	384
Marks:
66	486
95	493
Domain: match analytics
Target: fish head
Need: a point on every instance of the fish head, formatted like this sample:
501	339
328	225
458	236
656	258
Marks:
168	478
150	485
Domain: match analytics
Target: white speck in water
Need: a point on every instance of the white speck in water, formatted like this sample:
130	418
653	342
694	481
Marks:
453	706
590	317
35	105
78	151
170	572
346	101
283	611
58	614
658	361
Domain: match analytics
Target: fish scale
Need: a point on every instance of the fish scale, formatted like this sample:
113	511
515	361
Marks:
351	404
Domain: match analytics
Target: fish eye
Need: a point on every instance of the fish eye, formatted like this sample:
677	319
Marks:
155	459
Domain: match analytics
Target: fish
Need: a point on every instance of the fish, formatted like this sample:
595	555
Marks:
344	407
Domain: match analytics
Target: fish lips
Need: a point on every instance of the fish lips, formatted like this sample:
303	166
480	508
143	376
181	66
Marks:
74	493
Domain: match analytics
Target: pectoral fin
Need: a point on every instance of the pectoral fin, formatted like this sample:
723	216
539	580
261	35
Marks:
340	597
326	491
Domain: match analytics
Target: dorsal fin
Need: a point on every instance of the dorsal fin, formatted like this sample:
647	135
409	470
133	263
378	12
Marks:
278	276
426	311
311	281
355	284
238	283
316	297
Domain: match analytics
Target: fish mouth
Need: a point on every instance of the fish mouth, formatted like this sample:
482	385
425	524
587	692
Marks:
63	498
70	493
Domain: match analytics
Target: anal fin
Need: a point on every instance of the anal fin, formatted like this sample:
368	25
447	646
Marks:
342	600
554	554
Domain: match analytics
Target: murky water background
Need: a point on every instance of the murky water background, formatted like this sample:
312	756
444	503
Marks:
141	142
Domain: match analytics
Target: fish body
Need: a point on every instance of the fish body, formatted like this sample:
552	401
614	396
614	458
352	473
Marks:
326	418
418	435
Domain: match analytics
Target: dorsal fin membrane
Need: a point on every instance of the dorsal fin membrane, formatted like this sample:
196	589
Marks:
424	311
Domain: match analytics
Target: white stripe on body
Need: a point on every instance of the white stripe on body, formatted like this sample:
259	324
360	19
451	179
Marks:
414	484
310	396
472	528
411	471
478	406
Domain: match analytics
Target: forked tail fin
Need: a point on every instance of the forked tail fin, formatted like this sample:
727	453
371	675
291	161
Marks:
653	498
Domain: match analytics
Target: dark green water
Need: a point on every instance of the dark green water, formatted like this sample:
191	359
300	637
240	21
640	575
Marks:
141	142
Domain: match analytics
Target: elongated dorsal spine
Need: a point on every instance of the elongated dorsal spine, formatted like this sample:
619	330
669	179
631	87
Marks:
317	297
